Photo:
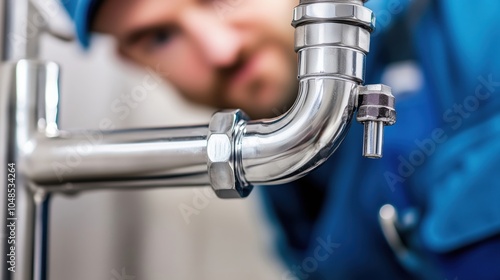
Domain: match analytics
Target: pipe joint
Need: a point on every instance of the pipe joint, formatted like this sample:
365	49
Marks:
224	154
376	110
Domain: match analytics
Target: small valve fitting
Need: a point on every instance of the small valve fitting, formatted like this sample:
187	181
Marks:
375	111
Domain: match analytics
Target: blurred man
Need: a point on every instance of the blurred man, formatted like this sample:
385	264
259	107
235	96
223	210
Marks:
226	54
439	170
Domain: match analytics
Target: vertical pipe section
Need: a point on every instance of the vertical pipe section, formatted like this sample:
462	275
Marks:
42	154
3	22
18	105
21	26
374	139
41	236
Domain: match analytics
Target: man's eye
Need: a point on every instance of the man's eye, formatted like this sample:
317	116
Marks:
161	37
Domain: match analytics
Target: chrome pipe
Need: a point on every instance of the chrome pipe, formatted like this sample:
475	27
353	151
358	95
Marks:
19	100
3	30
332	39
21	27
60	160
100	156
375	111
287	148
231	153
236	153
41	235
374	133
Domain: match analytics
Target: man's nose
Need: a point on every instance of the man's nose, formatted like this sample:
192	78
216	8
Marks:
218	41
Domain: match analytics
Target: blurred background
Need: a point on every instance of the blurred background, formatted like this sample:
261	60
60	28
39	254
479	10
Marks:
144	234
190	234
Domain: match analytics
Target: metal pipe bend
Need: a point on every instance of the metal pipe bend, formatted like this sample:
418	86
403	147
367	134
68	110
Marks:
232	153
287	148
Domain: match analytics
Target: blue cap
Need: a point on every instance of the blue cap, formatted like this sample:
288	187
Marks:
81	11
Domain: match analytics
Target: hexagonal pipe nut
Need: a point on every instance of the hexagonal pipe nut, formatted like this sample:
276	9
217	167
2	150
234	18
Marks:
376	103
224	155
350	12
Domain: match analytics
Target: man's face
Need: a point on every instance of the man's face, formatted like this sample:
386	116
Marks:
222	53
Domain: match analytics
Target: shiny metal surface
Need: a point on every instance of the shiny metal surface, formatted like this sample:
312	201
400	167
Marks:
50	157
287	148
49	160
98	156
351	12
260	152
224	154
332	34
20	100
3	32
373	139
331	67
41	235
317	61
21	28
376	110
231	153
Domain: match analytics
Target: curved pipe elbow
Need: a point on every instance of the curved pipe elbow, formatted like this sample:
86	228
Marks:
287	148
332	39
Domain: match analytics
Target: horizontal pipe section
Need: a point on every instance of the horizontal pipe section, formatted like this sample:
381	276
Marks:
141	155
63	160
